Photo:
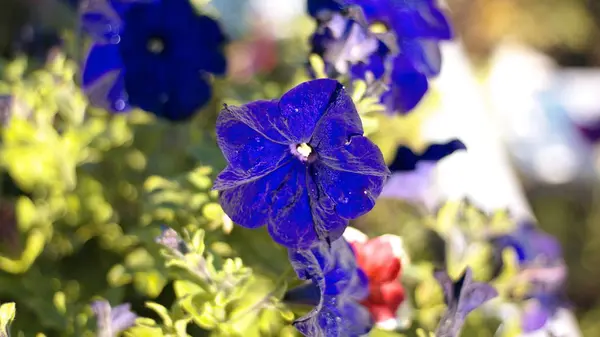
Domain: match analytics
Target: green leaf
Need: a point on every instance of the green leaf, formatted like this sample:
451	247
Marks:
198	242
162	312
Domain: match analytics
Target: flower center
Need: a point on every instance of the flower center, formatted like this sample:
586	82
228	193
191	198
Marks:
378	27
304	149
156	45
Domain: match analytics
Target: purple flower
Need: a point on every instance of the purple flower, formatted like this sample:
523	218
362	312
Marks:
299	165
112	321
418	27
461	297
151	54
341	284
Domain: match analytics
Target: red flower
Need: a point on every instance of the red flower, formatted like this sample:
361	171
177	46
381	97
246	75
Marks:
380	259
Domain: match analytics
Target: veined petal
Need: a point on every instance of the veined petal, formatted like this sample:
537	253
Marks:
353	194
250	154
338	123
249	204
332	266
257	116
291	223
303	107
358	155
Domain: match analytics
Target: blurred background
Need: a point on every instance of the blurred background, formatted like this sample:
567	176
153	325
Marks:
520	85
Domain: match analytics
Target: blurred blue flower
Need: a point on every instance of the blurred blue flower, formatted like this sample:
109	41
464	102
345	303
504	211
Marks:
461	297
112	321
341	286
542	267
151	54
299	165
347	46
412	172
532	245
418	27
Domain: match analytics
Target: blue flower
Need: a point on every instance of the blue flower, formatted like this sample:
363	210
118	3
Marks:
461	297
341	286
418	27
153	54
299	165
112	321
347	46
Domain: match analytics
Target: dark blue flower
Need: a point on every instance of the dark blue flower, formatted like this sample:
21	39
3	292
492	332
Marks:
341	284
418	27
299	165
151	54
461	297
112	321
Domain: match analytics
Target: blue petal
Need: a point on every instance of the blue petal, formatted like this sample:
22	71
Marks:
421	20
291	222
357	155
202	49
302	108
333	268
337	124
328	224
422	56
353	194
103	19
249	204
249	152
406	91
189	91
102	78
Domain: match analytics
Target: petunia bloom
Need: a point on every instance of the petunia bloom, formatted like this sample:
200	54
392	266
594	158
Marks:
112	321
381	260
347	46
151	54
418	27
461	297
341	283
299	165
